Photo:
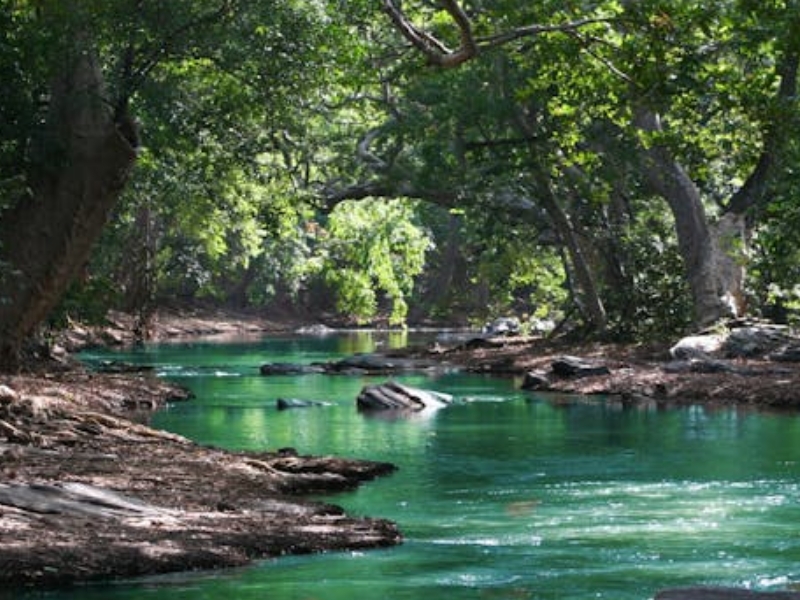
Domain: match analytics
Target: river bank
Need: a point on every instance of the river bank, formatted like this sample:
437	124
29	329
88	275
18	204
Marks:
638	373
89	492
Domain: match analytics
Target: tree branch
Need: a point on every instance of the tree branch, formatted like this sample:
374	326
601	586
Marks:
333	195
157	54
754	189
437	53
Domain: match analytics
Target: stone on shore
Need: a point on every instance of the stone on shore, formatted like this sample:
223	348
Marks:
574	367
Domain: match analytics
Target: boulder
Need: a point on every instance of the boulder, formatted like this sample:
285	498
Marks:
789	353
720	593
502	326
535	380
395	396
697	346
755	340
744	339
574	367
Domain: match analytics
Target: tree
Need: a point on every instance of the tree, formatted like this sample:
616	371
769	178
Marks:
80	161
655	56
95	65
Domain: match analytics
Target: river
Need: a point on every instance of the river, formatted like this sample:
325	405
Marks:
506	495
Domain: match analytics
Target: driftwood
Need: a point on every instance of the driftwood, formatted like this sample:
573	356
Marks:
72	498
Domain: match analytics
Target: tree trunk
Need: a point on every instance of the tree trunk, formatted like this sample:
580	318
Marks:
714	253
584	287
709	270
47	237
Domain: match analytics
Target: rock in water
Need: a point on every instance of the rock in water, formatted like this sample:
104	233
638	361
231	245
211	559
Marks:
288	403
535	380
394	396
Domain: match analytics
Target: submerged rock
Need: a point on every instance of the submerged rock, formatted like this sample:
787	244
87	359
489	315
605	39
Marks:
289	403
381	364
290	369
395	396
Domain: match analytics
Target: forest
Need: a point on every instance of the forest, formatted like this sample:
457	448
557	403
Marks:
614	168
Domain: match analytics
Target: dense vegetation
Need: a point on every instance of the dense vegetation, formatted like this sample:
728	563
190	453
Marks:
624	167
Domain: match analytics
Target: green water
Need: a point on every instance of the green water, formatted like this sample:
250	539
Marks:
510	495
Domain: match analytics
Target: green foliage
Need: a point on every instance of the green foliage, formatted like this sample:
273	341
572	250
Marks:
250	113
775	266
85	302
375	249
650	299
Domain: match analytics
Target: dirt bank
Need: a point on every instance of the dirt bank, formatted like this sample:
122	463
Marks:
88	492
640	373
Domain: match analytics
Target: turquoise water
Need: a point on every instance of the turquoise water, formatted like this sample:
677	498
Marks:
509	495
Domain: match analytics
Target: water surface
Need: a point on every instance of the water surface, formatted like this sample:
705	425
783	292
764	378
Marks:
508	495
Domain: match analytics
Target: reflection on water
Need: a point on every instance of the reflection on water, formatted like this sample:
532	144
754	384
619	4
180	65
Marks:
506	496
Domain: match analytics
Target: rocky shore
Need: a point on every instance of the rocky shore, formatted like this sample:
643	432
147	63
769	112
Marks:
761	370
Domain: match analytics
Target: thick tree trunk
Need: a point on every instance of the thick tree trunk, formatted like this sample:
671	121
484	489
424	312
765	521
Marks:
710	271
47	237
713	252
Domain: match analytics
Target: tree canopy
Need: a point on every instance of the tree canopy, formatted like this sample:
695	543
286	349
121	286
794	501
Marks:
620	167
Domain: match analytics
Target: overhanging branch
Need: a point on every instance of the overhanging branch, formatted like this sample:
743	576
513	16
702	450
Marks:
437	53
753	192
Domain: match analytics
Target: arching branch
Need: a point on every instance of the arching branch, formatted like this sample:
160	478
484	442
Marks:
440	55
754	190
